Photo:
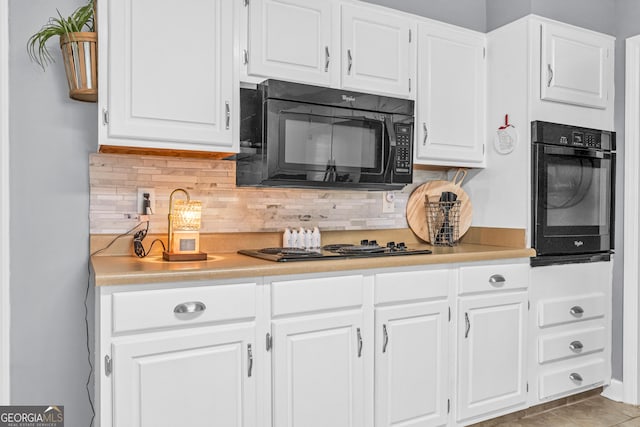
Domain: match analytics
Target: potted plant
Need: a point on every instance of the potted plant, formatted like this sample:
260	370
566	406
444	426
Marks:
78	42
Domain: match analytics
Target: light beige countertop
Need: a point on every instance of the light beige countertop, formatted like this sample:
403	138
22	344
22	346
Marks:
118	267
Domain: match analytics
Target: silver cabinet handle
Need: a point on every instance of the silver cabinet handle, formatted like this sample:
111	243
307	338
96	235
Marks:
497	280
268	341
385	339
245	56
576	346
575	377
349	61
359	342
426	133
249	360
576	311
468	323
227	114
190	307
327	59
550	75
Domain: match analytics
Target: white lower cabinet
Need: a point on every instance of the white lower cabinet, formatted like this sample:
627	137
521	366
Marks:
412	330
177	355
317	351
491	341
317	371
198	377
491	353
411	365
421	346
570	328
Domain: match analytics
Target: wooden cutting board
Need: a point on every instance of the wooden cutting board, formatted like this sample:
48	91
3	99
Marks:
416	211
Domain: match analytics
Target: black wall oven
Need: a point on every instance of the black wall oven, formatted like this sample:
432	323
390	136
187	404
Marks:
573	193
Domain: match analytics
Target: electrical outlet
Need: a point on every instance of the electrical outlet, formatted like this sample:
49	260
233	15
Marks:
140	202
388	202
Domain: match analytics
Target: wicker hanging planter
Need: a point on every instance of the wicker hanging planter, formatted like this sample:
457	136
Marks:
79	49
79	54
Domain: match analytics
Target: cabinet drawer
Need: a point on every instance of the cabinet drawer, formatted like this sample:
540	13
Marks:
161	308
571	309
570	344
574	378
306	295
493	278
411	286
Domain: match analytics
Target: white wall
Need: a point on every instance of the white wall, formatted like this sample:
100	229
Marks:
464	13
51	137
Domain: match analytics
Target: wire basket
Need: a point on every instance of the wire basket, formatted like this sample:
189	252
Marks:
443	220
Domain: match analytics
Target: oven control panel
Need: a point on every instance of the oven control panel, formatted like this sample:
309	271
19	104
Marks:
572	136
584	139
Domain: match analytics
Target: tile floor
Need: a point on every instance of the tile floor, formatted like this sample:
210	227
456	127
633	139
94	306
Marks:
595	411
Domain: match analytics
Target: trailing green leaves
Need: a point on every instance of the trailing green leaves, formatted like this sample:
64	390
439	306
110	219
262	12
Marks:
82	19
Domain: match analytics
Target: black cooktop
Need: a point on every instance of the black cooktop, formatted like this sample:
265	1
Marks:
366	249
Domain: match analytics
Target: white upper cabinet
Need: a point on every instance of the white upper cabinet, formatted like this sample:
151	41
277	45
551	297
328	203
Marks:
291	40
576	66
376	51
364	48
161	90
451	99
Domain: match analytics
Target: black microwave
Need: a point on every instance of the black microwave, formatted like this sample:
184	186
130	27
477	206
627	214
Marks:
297	135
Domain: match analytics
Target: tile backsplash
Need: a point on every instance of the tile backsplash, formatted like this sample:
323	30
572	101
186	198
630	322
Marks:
115	178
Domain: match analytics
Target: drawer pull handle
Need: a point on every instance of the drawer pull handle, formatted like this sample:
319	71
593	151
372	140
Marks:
190	307
575	377
576	346
359	337
576	311
497	280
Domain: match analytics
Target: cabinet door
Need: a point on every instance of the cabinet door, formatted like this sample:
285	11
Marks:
411	365
576	66
491	358
198	377
318	371
451	99
171	77
376	51
291	40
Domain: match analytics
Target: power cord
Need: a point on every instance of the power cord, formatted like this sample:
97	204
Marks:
138	248
86	312
126	233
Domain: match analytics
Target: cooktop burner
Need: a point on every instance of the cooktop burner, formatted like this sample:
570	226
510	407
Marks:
366	249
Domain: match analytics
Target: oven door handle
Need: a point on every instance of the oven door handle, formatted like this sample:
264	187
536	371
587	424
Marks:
578	152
